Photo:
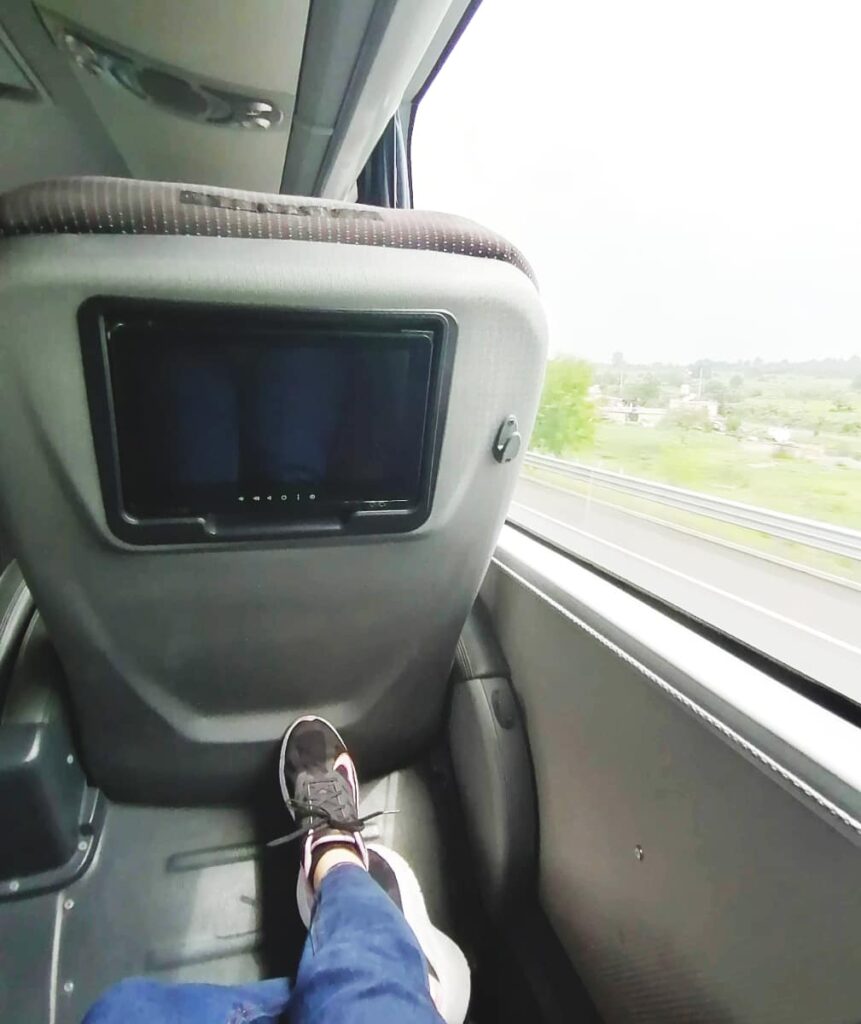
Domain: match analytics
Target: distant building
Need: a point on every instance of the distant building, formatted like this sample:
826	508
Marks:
707	405
617	410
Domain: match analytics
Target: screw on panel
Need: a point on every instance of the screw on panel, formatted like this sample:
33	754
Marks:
70	759
68	904
14	885
68	987
638	852
82	845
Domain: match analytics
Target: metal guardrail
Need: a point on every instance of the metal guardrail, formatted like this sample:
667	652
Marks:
836	539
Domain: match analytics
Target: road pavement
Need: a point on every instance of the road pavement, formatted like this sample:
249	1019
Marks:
807	621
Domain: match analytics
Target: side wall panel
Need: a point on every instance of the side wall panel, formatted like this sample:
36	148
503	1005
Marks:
687	880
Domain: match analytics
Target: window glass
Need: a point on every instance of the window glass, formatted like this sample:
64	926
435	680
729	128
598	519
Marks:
684	178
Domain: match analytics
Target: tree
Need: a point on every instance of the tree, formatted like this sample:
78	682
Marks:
643	390
566	418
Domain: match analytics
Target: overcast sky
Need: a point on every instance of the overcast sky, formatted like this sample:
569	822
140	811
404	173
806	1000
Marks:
684	176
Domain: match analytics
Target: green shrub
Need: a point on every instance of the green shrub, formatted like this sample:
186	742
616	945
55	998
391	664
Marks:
566	417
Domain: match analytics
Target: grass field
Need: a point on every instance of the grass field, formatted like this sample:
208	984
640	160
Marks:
733	468
815	472
824	412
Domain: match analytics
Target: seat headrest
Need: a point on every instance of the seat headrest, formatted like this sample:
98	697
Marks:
125	206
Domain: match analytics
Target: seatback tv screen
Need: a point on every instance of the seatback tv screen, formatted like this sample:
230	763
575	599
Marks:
231	420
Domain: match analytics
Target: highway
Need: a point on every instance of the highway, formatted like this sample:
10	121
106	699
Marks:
810	622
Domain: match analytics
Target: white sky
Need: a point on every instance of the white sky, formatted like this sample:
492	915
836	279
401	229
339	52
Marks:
684	176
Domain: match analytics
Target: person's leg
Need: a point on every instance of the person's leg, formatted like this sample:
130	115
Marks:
447	967
143	1001
362	963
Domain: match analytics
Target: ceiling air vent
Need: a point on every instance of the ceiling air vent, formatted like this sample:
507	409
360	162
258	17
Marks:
168	88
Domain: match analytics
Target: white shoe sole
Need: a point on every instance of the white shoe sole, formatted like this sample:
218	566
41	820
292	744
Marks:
451	994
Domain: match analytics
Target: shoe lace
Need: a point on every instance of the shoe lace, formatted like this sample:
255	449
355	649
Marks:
319	816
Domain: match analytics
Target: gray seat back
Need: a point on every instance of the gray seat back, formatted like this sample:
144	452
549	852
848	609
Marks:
186	662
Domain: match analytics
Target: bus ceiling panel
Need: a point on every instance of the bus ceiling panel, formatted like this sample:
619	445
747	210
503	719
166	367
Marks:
199	91
47	125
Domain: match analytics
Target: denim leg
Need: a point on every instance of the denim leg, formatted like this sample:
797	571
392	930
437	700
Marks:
141	1001
361	963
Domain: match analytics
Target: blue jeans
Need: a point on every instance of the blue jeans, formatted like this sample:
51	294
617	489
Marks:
361	965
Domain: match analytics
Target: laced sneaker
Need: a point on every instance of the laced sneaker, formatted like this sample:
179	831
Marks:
321	791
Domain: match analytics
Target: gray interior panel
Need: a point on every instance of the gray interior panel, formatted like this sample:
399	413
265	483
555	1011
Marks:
184	665
688	880
54	816
492	768
494	776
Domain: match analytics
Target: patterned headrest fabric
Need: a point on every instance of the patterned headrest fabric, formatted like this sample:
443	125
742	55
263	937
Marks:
125	206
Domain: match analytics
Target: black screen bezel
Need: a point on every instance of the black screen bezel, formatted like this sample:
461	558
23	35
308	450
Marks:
96	313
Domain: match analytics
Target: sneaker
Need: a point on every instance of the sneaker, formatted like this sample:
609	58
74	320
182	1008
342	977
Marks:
320	789
448	970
